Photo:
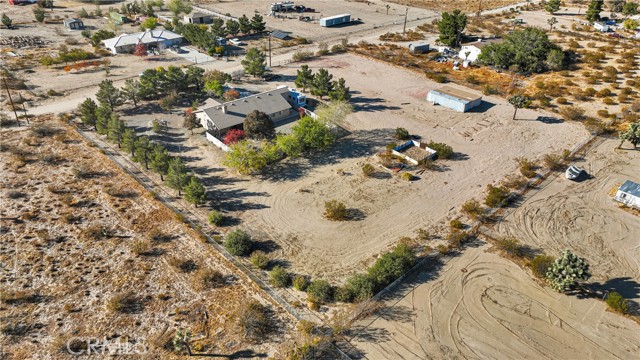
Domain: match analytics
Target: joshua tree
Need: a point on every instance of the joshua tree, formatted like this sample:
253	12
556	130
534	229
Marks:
567	270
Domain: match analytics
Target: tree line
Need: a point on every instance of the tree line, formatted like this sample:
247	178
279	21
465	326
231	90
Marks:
155	157
322	84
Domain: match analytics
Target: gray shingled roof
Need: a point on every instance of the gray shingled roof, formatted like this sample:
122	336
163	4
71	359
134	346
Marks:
630	187
269	102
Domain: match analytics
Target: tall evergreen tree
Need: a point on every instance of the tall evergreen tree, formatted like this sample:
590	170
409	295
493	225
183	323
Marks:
131	91
255	62
340	91
88	110
217	27
594	10
257	24
160	161
103	114
195	76
451	27
552	6
322	84
245	24
115	129
143	151
129	139
108	94
177	176
305	77
195	192
233	27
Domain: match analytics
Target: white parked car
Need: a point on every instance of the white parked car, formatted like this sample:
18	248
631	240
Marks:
235	41
573	172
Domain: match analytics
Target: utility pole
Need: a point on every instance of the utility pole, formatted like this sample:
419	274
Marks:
269	49
404	28
11	100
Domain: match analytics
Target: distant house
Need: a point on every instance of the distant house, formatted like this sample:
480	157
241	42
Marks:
335	20
470	51
73	24
126	43
600	26
629	194
278	104
454	98
198	18
419	47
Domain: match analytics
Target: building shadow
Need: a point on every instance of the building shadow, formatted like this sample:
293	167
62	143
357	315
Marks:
483	107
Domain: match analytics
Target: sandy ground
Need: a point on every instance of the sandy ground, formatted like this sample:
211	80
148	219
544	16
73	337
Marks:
286	204
584	218
481	306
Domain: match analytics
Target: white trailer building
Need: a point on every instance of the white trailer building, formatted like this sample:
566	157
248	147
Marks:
629	194
335	20
454	99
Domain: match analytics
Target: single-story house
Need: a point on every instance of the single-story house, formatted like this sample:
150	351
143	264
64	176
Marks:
470	51
454	99
198	18
629	194
419	47
73	24
600	26
126	43
278	104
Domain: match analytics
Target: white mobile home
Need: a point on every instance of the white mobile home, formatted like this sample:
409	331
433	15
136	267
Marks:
629	194
126	43
335	20
602	27
470	51
454	99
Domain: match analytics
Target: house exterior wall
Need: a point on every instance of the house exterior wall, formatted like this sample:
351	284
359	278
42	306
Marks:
207	19
470	105
627	199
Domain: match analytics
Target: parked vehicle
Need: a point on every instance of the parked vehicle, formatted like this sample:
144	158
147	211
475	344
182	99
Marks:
574	172
235	41
615	35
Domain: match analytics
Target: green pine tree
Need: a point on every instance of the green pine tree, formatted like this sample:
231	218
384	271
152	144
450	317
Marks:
322	84
255	62
160	161
103	114
177	176
594	10
115	129
340	91
305	77
195	192
143	150
88	109
129	139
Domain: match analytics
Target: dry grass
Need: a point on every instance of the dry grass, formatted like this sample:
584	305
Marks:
79	239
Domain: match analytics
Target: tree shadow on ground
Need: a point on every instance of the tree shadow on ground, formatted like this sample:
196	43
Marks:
360	143
628	287
371	104
355	214
151	107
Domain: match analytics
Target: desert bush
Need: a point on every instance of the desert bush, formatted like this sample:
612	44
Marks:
603	93
335	210
422	234
443	150
540	265
442	249
259	259
238	242
141	247
496	196
552	162
573	113
490	90
208	279
473	209
608	101
368	170
95	232
622	98
126	303
253	320
472	79
617	302
513	181
526	167
279	277
406	176
359	287
603	113
456	224
401	134
44	131
302	56
456	238
561	100
182	264
300	282
156	235
216	218
510	246
391	266
320	291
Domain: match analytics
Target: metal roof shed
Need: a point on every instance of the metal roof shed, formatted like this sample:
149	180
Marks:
335	20
454	99
629	194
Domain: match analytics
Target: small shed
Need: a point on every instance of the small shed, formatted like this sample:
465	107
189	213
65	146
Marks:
73	24
454	99
629	194
198	18
335	20
414	152
419	47
600	26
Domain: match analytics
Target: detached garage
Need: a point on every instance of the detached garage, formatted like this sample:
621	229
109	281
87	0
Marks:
454	99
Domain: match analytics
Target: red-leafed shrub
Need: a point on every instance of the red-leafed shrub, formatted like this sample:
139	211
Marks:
233	136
